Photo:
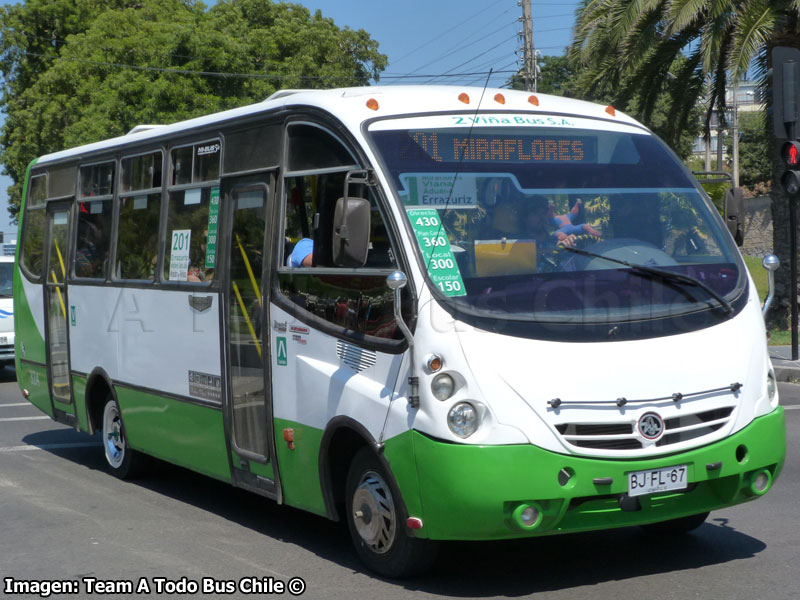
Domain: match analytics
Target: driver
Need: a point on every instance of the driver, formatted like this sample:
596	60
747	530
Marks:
537	226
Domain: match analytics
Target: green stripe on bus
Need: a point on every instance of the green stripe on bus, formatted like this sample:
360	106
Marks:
34	379
470	491
299	468
186	434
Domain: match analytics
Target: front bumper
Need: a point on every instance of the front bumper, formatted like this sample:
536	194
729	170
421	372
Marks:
471	492
7	347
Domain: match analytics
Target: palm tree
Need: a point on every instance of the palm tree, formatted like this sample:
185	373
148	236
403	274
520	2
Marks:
693	49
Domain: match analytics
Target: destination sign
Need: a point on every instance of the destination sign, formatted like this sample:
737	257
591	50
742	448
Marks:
475	148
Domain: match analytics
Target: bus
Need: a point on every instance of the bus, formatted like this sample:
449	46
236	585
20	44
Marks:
434	313
6	311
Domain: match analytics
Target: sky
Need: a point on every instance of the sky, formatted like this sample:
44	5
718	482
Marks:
434	41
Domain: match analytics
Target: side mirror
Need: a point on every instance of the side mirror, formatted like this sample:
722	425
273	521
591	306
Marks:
734	214
351	229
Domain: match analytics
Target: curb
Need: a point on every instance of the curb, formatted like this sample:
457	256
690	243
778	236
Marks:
784	373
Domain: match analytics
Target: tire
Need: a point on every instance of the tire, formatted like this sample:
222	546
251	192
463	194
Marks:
122	461
676	527
376	522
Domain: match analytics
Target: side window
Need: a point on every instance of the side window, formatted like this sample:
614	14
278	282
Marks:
32	255
193	213
95	205
356	299
308	221
139	213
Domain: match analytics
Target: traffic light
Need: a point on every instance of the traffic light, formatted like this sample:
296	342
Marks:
790	153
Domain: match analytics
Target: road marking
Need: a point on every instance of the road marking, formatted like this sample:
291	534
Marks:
17	404
793	407
22	419
51	447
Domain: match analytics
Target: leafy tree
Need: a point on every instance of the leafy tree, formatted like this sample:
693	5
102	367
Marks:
755	149
78	71
629	47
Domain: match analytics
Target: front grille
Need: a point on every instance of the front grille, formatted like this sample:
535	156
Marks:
624	435
625	444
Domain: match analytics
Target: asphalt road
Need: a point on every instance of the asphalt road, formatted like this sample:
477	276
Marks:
62	517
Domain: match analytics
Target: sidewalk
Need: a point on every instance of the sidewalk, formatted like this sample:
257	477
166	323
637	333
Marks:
786	369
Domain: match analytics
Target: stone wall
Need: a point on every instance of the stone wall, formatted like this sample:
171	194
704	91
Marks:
757	226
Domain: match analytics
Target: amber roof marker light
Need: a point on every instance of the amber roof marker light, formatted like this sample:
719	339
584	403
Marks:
611	110
372	104
499	98
533	100
464	97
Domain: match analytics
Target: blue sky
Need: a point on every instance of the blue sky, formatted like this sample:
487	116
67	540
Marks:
457	40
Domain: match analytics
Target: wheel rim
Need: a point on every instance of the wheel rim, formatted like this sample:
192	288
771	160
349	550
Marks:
374	514
113	442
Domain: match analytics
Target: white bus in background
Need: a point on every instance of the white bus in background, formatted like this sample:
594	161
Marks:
6	311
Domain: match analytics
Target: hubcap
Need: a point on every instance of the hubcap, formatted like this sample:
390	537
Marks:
373	513
112	436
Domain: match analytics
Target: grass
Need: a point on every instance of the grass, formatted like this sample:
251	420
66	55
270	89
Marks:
777	337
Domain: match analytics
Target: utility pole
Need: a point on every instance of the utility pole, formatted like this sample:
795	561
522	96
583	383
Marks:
720	139
528	51
735	133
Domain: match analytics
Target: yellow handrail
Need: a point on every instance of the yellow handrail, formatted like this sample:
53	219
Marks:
249	271
60	260
60	297
247	318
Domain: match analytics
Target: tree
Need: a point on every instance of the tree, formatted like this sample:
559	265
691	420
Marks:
78	71
755	165
629	47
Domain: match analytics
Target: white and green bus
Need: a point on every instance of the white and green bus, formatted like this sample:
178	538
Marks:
435	313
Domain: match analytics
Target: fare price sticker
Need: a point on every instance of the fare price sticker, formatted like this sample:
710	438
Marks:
436	251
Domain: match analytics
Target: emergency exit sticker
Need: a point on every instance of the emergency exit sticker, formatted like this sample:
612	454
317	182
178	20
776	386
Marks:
282	352
436	251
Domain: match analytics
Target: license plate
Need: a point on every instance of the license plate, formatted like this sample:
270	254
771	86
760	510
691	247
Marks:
641	483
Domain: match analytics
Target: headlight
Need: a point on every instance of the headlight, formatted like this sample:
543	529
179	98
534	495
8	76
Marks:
443	386
463	419
772	387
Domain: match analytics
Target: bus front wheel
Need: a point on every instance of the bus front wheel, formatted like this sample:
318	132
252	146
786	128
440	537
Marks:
375	522
119	456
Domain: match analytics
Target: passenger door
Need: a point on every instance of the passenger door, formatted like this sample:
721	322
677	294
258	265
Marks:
249	408
59	217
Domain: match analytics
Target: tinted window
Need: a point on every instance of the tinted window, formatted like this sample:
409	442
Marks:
192	218
94	238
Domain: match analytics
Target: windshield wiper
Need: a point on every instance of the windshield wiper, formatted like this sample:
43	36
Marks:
662	273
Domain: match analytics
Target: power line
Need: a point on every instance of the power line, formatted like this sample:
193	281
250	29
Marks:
476	57
464	46
237	75
441	35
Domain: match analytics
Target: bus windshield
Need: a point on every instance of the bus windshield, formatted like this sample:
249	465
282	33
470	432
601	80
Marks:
6	276
499	208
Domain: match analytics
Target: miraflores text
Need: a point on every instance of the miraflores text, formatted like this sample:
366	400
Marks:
45	588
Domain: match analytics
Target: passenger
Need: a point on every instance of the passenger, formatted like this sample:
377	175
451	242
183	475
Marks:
302	255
